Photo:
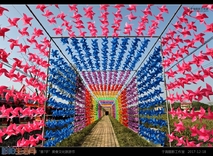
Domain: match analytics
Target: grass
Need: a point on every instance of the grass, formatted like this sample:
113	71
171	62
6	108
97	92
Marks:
77	139
126	137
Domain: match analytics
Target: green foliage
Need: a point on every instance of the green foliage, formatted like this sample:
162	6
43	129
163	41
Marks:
126	137
76	139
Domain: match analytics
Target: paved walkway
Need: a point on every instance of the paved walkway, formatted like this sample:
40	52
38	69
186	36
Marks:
102	135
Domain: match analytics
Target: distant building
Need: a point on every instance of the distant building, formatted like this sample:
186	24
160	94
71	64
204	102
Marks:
185	105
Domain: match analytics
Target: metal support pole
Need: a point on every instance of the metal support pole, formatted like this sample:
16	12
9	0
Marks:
55	37
167	105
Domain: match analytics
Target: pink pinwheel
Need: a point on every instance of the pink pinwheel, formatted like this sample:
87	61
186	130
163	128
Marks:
151	31
37	32
190	143
178	25
131	17
180	141
198	60
208	6
47	13
2	10
42	7
209	116
118	14
185	32
132	7
197	95
104	7
172	137
147	11
155	23
2	133
203	134
159	17
39	137
58	31
26	19
182	19
119	6
23	143
194	130
201	17
3	31
3	56
9	131
199	37
13	43
191	26
163	9
207	91
89	12
23	48
52	20
15	112
179	127
32	141
171	73
2	89
184	50
73	7
24	31
187	11
13	22
209	27
61	16
201	113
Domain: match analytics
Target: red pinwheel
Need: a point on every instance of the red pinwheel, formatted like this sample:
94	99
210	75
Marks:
47	13
37	32
104	7
147	11
3	31
41	7
13	43
178	25
61	16
159	17
132	7
201	17
119	6
24	32
191	26
26	19
180	141
23	48
207	91
185	32
2	10
52	20
131	17
187	11
13	22
208	6
209	27
182	19
197	95
73	7
4	55
58	31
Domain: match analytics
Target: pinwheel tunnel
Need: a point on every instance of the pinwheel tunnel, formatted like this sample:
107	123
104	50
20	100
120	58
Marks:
68	79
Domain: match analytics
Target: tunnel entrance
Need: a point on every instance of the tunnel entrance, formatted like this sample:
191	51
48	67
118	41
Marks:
107	113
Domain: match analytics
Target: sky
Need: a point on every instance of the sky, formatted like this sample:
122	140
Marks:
18	10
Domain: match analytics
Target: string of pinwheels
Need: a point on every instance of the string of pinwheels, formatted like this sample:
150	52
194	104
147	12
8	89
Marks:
148	79
132	105
62	79
80	118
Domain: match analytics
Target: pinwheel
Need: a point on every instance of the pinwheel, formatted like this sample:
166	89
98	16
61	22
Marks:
3	31
24	32
201	17
26	20
2	9
13	22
